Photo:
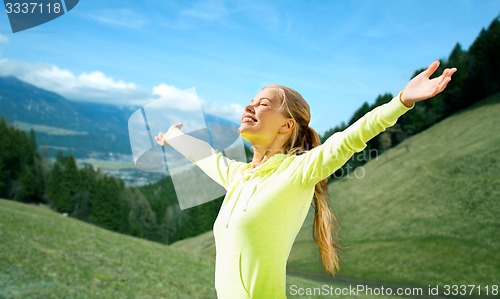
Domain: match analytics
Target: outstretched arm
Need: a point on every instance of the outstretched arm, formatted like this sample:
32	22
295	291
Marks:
162	137
192	148
422	88
213	163
324	160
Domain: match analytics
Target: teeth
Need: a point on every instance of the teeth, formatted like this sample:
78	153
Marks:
247	119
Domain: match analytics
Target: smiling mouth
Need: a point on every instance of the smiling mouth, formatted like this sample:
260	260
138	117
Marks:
248	119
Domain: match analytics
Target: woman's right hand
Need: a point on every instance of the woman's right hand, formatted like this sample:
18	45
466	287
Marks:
160	137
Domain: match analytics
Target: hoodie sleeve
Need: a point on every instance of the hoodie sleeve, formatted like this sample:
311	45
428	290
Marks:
213	163
324	160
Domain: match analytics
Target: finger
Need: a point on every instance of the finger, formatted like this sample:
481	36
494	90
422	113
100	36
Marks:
431	69
451	71
442	85
447	73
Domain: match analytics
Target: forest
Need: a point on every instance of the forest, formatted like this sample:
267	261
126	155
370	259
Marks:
152	212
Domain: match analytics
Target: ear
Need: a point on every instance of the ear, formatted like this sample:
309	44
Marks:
288	126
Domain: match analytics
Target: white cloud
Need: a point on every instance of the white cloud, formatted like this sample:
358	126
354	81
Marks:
92	86
188	100
95	86
198	13
173	97
207	10
122	17
3	39
229	111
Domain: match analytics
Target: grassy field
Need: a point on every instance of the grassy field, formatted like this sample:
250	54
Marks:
46	255
46	129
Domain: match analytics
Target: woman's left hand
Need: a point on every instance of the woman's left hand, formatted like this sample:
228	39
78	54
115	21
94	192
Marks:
422	88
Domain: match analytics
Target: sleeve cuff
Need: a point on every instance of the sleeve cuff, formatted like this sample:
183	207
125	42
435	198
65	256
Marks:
401	102
397	107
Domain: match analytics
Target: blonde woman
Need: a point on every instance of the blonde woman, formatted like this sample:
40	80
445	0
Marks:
267	199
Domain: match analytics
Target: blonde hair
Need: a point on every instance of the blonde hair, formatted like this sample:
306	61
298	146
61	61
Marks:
325	227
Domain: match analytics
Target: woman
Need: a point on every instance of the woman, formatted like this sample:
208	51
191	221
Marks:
267	200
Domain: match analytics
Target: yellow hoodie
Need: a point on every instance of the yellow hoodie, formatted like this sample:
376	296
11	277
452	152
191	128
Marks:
265	207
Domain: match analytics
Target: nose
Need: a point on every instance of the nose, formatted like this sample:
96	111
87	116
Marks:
249	108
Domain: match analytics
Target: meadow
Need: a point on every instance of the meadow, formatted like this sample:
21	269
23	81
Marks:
44	254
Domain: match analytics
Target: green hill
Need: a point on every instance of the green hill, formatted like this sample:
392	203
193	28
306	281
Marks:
423	213
46	255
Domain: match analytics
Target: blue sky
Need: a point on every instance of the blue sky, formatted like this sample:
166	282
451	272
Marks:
338	54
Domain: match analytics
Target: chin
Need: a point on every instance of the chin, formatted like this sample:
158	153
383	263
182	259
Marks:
243	128
245	135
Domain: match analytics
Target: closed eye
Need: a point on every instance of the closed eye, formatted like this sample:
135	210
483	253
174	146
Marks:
262	102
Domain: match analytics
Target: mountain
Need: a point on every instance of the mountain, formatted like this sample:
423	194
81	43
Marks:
93	133
83	129
24	102
78	128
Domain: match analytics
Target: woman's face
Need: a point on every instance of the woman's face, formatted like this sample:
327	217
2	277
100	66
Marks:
262	121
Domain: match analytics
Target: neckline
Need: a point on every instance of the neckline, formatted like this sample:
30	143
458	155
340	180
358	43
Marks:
272	162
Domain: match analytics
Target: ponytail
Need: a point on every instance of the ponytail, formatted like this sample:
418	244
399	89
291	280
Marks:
325	230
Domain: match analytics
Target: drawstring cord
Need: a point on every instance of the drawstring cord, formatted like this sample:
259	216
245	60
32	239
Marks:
232	209
244	190
246	178
249	196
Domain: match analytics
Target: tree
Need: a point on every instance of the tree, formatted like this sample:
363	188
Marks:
2	184
81	198
108	210
63	183
9	157
32	176
365	108
453	97
483	77
142	220
330	132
